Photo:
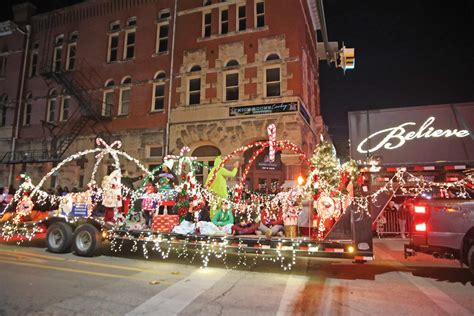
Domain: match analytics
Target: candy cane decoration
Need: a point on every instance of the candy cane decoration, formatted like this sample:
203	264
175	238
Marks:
271	129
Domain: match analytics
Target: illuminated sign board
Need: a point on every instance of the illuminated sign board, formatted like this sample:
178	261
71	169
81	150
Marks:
441	133
263	109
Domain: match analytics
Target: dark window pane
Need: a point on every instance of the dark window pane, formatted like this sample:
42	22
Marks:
273	89
225	28
130	52
260	21
232	93
195	84
242	25
207	18
207	31
225	15
232	80
242	12
113	55
163	46
114	42
159	90
195	98
273	74
159	104
163	31
130	38
260	8
156	151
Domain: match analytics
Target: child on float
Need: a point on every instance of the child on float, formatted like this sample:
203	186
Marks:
166	188
245	224
196	213
221	223
271	220
148	204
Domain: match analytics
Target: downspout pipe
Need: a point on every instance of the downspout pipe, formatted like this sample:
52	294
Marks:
20	100
170	90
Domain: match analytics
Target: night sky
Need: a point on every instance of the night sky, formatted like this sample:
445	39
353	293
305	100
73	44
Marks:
407	53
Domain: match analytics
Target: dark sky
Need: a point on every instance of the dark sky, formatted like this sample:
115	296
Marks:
407	53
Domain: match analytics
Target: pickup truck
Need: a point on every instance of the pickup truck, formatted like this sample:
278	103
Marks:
443	228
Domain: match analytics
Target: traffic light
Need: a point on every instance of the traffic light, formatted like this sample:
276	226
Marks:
347	58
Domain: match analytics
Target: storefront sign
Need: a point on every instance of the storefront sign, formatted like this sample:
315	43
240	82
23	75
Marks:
263	109
425	134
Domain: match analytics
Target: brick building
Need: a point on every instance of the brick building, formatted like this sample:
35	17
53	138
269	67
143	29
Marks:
158	75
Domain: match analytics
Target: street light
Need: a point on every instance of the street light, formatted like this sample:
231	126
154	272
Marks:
300	180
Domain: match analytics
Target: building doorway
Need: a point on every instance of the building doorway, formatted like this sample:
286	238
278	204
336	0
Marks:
205	155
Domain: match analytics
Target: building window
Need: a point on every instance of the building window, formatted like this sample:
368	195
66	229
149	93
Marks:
207	2
114	26
4	107
125	96
207	19
231	82
164	14
132	22
224	25
65	107
27	110
206	155
129	48
242	18
272	81
71	56
194	91
162	40
113	48
260	14
159	92
51	113
57	57
108	98
73	36
34	62
3	65
155	151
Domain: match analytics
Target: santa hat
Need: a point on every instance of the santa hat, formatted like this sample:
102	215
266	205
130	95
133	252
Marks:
168	163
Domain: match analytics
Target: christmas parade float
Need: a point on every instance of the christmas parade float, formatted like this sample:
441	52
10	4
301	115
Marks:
328	215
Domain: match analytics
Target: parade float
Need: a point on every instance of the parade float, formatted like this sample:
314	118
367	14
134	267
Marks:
330	200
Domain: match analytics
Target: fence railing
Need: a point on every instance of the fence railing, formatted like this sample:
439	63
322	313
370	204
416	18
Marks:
393	223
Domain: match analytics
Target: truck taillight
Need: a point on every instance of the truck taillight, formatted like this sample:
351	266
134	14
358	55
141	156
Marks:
420	209
420	227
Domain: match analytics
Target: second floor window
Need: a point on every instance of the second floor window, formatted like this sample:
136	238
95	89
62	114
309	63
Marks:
51	113
129	49
125	96
224	21
113	47
71	56
163	37
207	19
232	86
260	14
158	97
194	91
65	108
272	81
27	110
241	18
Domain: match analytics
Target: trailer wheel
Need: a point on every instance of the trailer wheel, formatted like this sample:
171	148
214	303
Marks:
59	238
87	240
470	258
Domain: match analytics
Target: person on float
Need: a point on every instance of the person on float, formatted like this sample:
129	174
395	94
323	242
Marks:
244	225
221	223
219	185
271	221
148	204
166	188
112	195
188	225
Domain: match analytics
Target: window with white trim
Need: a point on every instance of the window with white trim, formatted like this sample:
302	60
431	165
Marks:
108	98
58	52
231	78
155	151
206	2
129	48
65	108
71	56
27	110
241	18
194	90
206	22
34	60
272	81
164	14
260	14
52	103
132	22
162	38
125	91
224	22
112	51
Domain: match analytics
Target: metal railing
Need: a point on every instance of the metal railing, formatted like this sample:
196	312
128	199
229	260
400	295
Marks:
393	223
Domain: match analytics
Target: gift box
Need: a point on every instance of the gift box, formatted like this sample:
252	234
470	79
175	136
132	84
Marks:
164	223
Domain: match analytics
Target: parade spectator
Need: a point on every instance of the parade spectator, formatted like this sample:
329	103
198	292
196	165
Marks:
403	216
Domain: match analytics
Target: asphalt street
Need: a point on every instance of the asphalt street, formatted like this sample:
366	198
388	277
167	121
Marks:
35	282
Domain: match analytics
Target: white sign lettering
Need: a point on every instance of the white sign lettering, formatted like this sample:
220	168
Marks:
395	137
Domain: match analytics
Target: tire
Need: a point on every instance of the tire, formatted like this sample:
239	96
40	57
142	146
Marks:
59	238
86	241
470	258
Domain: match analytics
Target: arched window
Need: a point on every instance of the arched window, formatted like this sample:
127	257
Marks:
232	63
27	109
205	154
160	75
273	56
108	98
3	106
194	87
195	68
125	90
52	106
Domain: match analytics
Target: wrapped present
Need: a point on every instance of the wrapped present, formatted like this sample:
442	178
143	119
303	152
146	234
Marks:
164	223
